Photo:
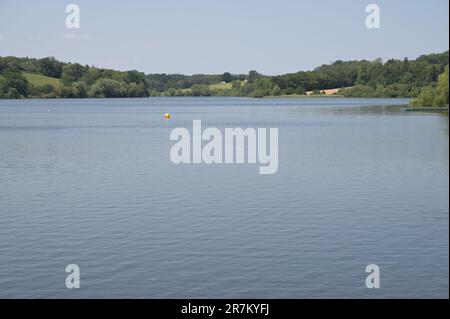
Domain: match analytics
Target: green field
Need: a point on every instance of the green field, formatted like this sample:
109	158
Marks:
217	86
220	86
223	86
41	80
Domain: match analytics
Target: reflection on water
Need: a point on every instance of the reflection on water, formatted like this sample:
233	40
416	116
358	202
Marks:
90	182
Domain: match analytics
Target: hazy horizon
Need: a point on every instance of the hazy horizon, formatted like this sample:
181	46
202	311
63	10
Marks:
203	73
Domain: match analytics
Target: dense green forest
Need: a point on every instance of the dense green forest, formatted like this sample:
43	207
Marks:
425	79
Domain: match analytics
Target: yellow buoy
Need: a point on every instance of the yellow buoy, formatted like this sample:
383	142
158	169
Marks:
167	116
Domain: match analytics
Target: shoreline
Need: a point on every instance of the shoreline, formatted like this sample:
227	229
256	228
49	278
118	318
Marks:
424	109
215	96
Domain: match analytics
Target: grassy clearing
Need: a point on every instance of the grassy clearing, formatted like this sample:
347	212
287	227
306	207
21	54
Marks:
220	86
224	86
41	80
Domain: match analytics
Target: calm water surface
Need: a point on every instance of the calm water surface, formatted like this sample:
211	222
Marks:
90	182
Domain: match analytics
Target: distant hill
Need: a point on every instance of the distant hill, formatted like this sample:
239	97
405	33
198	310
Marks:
50	78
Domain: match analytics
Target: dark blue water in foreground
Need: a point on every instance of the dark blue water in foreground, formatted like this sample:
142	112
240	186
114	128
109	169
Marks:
90	182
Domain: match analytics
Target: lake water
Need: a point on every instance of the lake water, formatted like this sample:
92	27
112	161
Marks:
90	182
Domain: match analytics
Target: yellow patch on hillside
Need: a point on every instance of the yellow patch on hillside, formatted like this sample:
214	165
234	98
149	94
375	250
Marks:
328	91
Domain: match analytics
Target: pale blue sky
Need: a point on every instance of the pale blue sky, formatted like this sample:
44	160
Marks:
210	36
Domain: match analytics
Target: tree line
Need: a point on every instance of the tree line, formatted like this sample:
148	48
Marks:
417	78
434	95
